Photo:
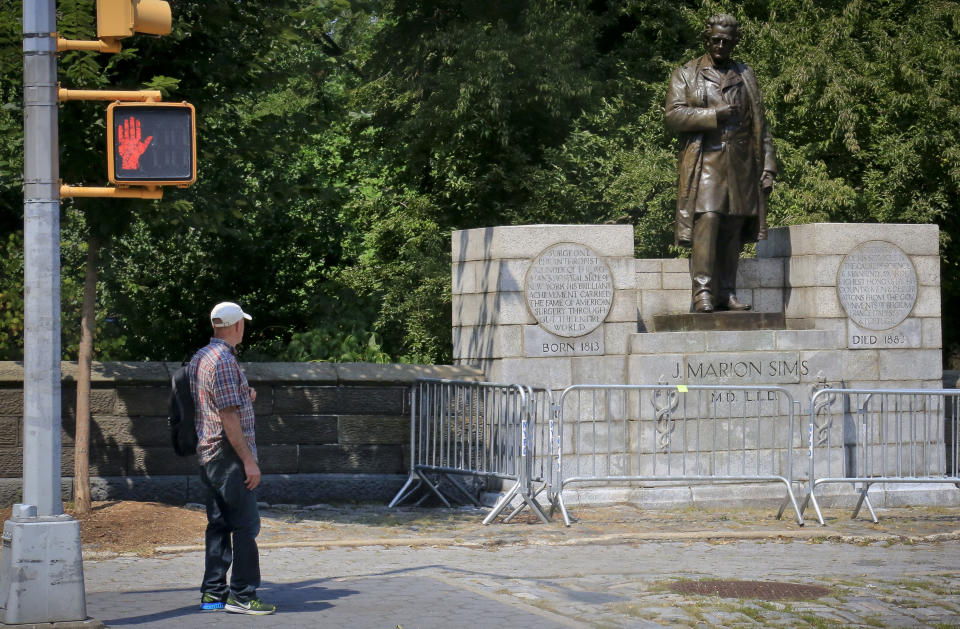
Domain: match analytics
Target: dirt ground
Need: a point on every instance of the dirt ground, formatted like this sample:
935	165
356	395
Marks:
140	528
134	527
148	528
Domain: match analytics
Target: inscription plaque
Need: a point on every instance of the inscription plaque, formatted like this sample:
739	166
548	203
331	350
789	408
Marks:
760	368
908	334
569	289
877	285
538	343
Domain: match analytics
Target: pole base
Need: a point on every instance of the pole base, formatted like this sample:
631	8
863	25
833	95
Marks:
89	623
41	570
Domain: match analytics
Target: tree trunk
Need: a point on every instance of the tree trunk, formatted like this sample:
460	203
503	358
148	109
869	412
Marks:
81	447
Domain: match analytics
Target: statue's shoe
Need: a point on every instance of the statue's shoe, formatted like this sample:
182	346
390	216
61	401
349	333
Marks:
703	303
733	304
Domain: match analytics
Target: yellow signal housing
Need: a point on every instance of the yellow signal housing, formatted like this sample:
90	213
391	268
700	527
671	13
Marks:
117	19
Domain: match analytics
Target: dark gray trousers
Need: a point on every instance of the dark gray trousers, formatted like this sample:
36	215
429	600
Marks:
716	250
233	523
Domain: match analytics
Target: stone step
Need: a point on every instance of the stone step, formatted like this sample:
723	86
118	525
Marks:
701	321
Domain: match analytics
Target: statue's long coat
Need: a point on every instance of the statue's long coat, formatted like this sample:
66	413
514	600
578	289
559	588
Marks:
686	112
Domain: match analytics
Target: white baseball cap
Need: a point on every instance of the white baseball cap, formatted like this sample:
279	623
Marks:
228	313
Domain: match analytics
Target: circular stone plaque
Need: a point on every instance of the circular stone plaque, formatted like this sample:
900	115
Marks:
877	285
569	289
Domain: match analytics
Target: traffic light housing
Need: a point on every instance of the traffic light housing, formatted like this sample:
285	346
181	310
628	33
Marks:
117	19
151	144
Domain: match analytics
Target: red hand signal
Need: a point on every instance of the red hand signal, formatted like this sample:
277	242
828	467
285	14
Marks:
130	145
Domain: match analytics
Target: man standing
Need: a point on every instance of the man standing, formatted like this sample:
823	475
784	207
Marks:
227	452
726	164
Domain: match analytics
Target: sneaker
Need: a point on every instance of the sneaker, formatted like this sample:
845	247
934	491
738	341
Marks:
254	607
211	603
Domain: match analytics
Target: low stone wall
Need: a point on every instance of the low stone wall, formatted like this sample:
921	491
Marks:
325	431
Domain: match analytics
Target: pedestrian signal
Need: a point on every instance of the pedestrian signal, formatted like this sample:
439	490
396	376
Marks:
151	144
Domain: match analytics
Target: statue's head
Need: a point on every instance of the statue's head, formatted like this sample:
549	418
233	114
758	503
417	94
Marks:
721	35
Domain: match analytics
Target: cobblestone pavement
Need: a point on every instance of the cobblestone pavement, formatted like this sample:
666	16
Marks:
362	567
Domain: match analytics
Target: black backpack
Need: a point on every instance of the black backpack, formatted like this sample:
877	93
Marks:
181	414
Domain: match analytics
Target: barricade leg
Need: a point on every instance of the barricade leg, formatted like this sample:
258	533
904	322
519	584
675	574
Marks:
530	501
563	509
516	511
502	503
793	500
783	506
790	499
536	508
433	487
463	490
865	499
403	494
812	498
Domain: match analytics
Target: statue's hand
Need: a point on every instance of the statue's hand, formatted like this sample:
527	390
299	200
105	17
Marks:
766	181
725	111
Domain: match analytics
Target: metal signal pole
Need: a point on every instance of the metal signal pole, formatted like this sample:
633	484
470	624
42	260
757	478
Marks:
41	243
41	568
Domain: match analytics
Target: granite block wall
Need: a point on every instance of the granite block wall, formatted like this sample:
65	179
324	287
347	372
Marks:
324	431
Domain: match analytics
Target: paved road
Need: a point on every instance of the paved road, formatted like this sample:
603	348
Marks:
549	585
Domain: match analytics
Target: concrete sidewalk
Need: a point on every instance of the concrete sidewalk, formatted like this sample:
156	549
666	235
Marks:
362	567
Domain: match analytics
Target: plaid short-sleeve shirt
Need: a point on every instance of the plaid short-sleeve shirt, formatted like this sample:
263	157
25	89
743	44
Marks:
216	383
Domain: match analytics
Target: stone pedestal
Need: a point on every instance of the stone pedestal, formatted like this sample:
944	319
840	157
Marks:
799	329
844	305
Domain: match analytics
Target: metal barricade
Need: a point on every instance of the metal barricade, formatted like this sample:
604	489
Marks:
881	436
609	434
535	457
481	429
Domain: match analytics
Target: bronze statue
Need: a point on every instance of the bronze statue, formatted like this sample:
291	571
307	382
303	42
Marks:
726	164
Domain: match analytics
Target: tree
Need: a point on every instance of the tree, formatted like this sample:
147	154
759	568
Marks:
865	117
80	161
11	177
271	158
471	125
336	157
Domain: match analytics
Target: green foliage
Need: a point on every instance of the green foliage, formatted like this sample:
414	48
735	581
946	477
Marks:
406	264
341	142
866	99
864	110
470	96
333	344
165	84
11	121
262	225
501	113
11	296
109	342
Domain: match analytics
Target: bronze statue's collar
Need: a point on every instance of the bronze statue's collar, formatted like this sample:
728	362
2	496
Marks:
707	69
706	61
